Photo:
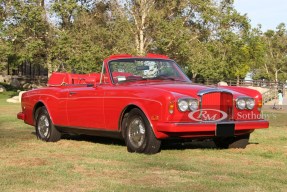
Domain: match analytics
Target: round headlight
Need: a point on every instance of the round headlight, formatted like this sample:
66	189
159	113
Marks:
193	105
183	105
241	104
250	103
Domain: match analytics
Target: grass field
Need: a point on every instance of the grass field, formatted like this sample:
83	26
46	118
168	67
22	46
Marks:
97	164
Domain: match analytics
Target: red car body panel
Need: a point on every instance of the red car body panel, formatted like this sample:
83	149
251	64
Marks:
85	102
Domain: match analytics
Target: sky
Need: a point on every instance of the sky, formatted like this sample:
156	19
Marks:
268	13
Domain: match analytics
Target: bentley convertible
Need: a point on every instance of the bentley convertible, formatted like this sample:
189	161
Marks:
143	100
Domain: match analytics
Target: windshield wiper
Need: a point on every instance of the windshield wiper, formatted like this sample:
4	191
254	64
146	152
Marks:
165	78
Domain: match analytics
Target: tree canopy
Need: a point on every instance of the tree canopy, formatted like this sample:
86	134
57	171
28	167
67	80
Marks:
209	39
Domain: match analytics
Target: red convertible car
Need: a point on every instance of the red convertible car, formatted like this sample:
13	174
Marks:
142	100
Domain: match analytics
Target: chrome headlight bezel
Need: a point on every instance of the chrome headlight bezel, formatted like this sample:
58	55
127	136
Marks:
250	103
245	103
193	104
187	104
182	105
241	103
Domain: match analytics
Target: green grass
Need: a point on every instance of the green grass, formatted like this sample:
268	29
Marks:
102	164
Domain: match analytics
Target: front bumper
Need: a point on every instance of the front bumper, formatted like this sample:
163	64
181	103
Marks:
210	126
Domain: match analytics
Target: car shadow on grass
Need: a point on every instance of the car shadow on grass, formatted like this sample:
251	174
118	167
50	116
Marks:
95	139
169	144
187	144
166	144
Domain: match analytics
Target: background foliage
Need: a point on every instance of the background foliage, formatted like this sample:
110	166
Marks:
210	38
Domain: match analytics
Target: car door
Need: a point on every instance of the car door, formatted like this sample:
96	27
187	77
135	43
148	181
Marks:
85	107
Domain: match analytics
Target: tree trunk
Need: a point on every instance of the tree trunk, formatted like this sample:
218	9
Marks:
139	12
276	76
30	70
50	69
137	43
42	3
194	75
8	68
141	43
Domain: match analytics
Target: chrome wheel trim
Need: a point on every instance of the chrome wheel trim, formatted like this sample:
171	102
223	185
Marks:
43	126
136	132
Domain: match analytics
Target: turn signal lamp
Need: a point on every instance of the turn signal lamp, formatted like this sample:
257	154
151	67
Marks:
171	107
260	104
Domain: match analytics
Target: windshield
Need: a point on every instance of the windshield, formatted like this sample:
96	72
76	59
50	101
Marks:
124	70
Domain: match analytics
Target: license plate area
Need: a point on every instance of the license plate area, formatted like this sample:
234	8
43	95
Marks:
225	130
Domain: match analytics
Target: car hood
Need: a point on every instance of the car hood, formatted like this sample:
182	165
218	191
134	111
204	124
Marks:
185	89
194	90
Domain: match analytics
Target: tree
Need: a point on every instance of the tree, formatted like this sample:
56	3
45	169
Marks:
232	32
65	12
95	33
182	31
276	52
24	30
138	13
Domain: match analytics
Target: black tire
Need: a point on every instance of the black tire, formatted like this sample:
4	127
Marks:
139	136
240	141
45	130
124	124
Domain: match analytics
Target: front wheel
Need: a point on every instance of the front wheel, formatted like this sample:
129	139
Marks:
139	136
45	130
240	141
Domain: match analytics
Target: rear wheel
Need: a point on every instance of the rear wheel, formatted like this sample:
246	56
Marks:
232	142
139	136
45	130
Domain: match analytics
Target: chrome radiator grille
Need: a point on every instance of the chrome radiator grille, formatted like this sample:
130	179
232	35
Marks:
216	106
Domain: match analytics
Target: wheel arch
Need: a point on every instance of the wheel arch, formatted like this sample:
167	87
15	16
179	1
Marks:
124	113
37	106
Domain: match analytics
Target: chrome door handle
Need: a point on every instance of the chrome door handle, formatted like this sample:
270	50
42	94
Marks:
73	93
